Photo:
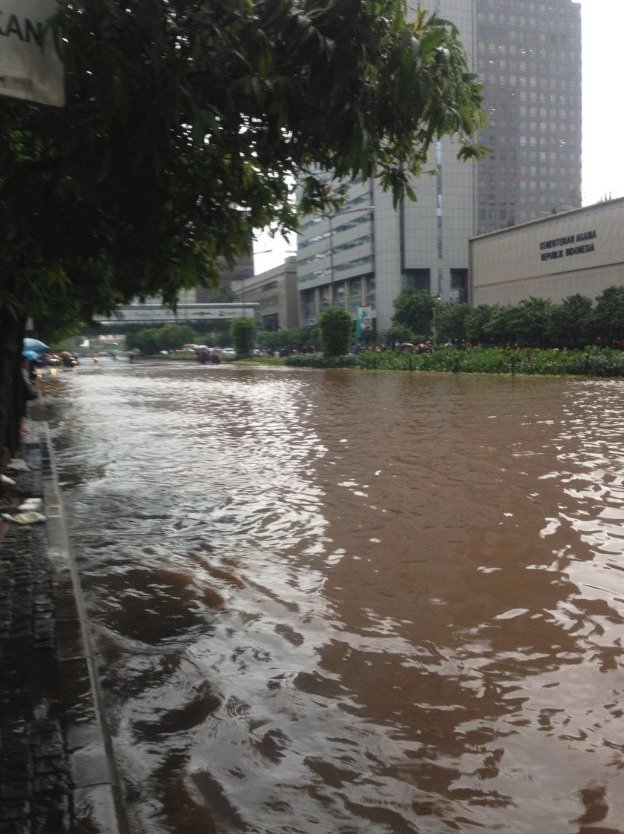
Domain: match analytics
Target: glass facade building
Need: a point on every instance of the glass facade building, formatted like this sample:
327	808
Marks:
528	55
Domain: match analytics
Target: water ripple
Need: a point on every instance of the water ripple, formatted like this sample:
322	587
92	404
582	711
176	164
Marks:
353	602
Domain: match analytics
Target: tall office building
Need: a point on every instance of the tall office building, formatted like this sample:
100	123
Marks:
229	277
529	57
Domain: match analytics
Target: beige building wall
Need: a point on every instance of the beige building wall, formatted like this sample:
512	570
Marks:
274	294
580	251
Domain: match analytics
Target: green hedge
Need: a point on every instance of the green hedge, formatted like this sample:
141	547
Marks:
315	360
594	362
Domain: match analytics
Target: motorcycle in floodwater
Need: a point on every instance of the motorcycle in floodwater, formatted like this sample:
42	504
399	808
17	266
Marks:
207	355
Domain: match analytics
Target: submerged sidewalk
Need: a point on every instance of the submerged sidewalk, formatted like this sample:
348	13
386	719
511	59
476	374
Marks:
56	768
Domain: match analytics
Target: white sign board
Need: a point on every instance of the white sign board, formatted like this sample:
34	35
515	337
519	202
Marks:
30	65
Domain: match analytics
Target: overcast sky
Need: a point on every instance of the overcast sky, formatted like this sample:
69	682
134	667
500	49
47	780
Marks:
603	113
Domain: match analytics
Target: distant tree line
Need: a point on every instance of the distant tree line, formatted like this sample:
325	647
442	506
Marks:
151	340
294	339
576	322
534	322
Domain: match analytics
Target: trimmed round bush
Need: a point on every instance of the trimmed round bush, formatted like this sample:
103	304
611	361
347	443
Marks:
336	326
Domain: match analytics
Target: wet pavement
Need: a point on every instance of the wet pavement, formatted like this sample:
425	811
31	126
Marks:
55	769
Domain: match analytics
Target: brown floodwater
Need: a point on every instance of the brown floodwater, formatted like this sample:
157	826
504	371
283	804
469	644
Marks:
352	603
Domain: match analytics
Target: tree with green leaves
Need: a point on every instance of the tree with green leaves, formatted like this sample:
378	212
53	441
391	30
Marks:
414	310
500	326
532	322
184	127
336	331
476	323
306	339
397	334
451	322
144	340
571	321
175	336
243	336
608	316
167	337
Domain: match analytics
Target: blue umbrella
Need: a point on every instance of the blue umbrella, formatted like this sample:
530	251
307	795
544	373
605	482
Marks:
32	355
34	344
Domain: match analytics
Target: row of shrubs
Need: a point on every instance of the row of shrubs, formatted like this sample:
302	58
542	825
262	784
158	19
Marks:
492	360
533	322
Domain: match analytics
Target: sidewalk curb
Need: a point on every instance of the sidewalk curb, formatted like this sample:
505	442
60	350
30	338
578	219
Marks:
97	795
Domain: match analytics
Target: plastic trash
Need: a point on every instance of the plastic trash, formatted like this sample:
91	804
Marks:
29	517
31	504
18	465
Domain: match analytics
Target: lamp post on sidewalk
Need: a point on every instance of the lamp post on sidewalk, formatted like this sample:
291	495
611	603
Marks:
434	330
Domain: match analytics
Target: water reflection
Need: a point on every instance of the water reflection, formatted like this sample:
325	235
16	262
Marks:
353	602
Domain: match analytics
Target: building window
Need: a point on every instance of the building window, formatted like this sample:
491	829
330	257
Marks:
417	279
270	322
355	290
371	293
459	285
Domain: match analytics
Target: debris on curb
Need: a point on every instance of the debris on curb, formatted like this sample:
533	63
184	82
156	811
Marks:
18	465
31	504
29	517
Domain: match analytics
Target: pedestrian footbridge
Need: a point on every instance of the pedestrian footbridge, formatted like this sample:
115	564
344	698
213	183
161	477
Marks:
152	313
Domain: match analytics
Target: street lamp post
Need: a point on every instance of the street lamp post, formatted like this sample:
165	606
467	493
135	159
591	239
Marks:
434	330
331	256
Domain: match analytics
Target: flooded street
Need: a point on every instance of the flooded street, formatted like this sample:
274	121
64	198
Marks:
352	603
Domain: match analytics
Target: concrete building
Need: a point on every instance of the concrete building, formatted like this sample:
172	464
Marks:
528	56
366	254
229	277
579	251
274	296
336	257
